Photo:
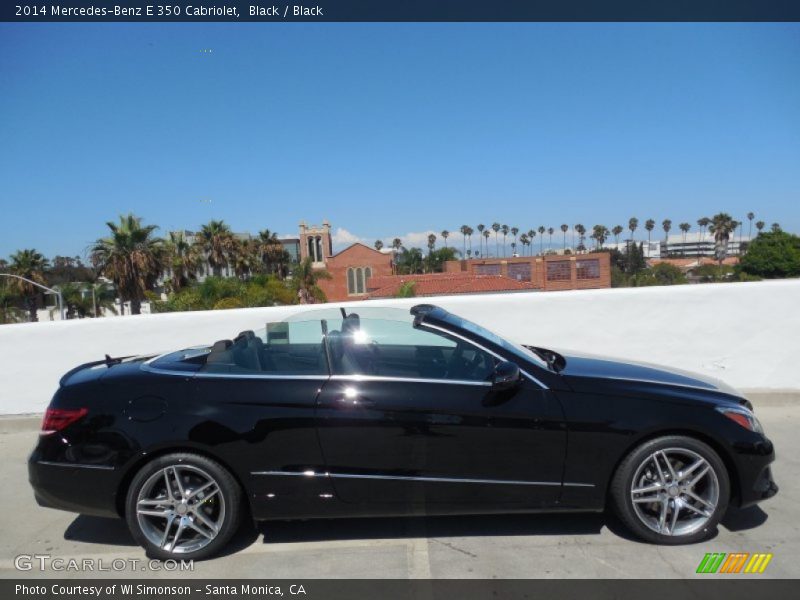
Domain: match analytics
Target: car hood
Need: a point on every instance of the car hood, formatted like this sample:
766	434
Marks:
594	374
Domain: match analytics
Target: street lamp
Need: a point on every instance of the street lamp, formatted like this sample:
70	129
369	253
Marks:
56	293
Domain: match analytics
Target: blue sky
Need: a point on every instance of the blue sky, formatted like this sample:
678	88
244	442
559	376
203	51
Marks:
392	129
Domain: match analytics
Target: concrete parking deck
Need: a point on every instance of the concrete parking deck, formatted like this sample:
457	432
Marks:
449	547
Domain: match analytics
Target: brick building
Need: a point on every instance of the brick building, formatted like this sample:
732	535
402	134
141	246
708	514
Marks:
359	272
546	273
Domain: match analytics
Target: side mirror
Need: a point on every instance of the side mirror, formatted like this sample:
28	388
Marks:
506	376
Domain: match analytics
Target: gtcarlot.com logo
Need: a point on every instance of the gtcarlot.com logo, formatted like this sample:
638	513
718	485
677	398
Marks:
736	562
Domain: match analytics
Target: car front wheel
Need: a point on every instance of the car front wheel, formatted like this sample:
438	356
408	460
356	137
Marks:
183	506
671	490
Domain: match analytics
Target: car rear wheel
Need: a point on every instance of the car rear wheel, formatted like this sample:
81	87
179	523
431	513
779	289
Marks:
183	506
671	490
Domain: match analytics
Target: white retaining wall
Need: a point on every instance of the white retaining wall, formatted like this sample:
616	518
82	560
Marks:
747	334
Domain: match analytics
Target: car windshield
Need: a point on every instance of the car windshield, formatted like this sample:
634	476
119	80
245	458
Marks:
510	347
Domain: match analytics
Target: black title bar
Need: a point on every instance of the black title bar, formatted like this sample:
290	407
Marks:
398	10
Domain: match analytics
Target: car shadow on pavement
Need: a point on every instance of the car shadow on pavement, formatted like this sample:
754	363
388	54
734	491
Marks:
314	530
742	519
97	530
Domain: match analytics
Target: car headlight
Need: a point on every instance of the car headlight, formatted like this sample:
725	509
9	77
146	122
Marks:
743	417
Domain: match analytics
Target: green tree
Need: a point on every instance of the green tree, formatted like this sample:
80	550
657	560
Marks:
183	260
132	257
633	223
661	274
406	290
305	280
666	225
31	265
772	255
215	239
504	230
480	229
649	225
378	245
721	225
445	235
496	229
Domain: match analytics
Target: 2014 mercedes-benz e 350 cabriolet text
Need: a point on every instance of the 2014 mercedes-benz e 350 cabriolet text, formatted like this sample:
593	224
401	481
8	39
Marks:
383	412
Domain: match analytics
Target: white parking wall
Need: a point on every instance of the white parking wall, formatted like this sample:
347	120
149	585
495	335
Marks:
747	334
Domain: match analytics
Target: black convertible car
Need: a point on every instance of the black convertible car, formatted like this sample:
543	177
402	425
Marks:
379	411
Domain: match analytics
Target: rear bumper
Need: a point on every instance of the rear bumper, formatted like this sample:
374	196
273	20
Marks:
84	489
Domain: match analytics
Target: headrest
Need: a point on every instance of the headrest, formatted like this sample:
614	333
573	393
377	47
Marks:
221	346
351	323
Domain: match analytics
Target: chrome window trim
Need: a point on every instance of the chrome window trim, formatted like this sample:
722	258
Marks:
357	378
492	352
327	474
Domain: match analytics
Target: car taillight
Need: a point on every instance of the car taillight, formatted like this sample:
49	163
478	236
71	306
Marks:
743	417
56	419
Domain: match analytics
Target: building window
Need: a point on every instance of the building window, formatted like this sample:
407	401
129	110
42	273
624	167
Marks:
491	269
520	271
588	269
357	280
558	270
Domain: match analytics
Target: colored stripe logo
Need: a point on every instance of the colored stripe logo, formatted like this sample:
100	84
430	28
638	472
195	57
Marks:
735	562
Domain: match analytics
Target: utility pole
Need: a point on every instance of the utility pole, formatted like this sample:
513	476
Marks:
56	293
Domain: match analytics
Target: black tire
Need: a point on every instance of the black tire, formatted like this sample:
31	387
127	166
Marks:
190	466
623	505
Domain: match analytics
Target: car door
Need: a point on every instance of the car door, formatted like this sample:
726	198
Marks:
257	399
410	418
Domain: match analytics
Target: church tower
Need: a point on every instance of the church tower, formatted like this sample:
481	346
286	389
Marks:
316	242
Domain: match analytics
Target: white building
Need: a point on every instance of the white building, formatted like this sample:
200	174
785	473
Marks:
695	243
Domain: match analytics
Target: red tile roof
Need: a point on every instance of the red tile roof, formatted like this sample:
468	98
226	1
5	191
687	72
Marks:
434	284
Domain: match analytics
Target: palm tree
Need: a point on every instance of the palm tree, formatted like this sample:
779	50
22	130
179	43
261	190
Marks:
531	235
274	257
760	225
616	231
750	217
29	264
564	229
684	227
182	260
776	227
581	230
524	240
633	223
550	232
666	224
600	234
215	240
397	243
445	235
480	228
486	234
305	279
496	229
649	225
132	257
703	223
245	257
504	229
515	232
541	238
721	225
470	231
463	231
378	245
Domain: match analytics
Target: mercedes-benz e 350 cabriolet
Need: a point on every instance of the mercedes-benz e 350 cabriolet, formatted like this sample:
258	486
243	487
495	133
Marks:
385	412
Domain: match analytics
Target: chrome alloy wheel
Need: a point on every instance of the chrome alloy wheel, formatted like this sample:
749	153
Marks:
675	491
180	508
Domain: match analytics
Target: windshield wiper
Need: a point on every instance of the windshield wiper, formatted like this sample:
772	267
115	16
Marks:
554	360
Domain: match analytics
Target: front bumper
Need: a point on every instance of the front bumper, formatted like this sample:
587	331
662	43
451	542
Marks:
755	472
